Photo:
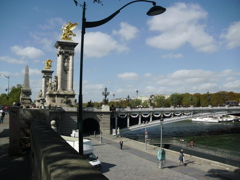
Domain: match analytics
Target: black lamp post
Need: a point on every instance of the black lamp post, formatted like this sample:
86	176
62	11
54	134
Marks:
155	10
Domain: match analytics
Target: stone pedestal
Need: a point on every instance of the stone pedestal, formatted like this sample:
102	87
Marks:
105	108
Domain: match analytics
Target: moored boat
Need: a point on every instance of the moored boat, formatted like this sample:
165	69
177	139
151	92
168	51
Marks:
206	119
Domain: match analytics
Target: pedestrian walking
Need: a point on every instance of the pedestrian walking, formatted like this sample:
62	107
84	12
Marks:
94	133
3	115
121	144
181	158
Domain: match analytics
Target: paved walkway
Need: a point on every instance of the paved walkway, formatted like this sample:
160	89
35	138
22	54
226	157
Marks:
12	167
134	162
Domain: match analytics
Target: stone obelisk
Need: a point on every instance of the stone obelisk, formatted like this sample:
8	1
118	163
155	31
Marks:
26	91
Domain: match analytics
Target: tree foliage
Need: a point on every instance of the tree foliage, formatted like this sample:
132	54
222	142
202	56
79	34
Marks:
14	96
159	100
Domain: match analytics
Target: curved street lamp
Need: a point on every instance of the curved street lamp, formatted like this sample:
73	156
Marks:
155	10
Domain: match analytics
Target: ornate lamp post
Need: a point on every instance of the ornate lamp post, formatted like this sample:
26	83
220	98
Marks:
8	87
105	94
137	94
128	99
161	158
155	10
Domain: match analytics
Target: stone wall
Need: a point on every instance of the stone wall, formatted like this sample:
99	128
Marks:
53	158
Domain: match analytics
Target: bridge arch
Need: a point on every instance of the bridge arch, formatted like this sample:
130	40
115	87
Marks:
90	125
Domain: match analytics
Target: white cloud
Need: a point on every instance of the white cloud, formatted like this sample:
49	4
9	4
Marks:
148	75
171	55
98	44
35	72
47	43
232	85
232	35
52	23
180	74
29	52
128	76
198	80
32	72
179	25
207	86
12	60
127	31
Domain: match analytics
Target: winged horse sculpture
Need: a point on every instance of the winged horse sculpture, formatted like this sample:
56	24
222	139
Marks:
67	31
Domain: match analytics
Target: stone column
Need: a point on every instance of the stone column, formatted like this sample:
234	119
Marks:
151	117
65	65
139	118
128	120
70	73
59	70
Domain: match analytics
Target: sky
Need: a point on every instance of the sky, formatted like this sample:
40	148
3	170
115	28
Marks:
194	47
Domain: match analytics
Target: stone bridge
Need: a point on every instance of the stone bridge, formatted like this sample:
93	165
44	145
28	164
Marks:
128	119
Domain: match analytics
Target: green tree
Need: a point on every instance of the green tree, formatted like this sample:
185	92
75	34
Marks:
159	100
145	104
197	97
176	99
136	102
14	95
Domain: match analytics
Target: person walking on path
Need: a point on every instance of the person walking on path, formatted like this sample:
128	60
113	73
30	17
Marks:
94	133
181	158
121	144
2	114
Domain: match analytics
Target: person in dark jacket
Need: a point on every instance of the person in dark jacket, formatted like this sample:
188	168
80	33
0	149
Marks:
181	158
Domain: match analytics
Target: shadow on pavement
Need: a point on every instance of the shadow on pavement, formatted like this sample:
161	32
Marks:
4	133
222	174
106	167
14	167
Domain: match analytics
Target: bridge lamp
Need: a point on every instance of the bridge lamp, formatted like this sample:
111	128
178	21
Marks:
155	10
161	160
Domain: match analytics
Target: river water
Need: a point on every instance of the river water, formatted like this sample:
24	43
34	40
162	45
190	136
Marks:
200	132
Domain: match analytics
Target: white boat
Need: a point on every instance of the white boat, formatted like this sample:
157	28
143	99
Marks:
198	119
211	119
206	119
228	118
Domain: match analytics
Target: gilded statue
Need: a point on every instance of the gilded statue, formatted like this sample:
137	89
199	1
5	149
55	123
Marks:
48	64
67	31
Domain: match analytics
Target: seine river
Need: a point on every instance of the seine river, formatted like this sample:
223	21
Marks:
202	133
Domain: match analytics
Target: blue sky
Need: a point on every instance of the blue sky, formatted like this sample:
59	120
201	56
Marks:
193	47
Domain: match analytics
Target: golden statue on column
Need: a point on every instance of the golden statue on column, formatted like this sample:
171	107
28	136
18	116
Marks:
67	31
48	64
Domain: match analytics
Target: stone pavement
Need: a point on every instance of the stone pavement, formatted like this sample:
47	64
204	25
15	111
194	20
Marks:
12	167
134	162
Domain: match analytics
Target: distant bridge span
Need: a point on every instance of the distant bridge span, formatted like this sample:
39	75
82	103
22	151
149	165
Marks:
127	119
171	115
